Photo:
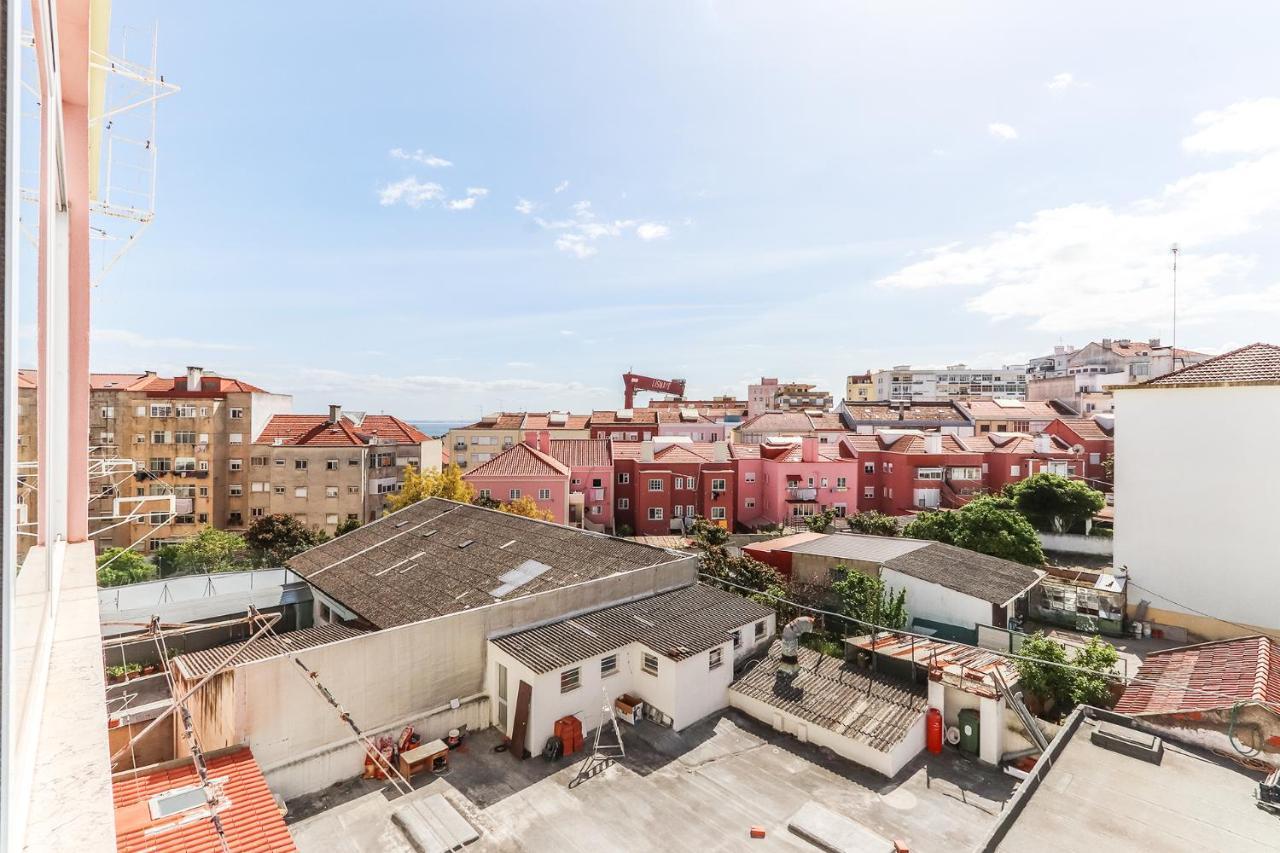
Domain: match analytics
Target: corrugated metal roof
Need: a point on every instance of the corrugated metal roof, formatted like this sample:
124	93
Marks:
677	624
201	663
838	696
856	546
250	818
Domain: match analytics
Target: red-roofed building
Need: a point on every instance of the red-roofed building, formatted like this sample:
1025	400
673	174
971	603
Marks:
525	471
329	469
1206	691
479	442
164	809
1097	435
827	427
785	480
661	486
590	479
625	424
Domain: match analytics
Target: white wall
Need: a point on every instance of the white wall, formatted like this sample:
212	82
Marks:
1196	489
1074	543
931	601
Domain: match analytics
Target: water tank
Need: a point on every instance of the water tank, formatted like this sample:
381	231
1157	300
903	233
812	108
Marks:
969	730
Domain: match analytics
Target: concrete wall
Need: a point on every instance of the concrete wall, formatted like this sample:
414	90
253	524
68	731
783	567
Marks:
1072	543
386	678
1194	529
937	603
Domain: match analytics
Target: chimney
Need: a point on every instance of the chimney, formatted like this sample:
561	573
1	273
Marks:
335	413
1106	343
194	376
1044	443
542	441
933	443
720	451
809	448
1153	342
646	451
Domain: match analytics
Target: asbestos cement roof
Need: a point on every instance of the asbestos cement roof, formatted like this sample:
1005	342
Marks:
855	546
837	695
195	665
676	624
437	557
980	576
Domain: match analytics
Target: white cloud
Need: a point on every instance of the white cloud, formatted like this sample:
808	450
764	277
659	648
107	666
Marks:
1066	267
652	231
477	192
1063	80
420	156
520	365
124	337
1243	128
566	332
576	245
474	194
411	191
524	206
1002	131
561	187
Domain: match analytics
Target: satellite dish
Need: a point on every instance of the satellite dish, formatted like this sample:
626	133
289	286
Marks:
953	735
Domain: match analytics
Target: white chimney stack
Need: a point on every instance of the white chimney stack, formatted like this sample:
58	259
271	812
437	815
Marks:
646	451
194	376
335	413
1044	443
933	443
720	451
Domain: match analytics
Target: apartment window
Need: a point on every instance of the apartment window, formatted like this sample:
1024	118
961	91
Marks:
688	511
299	464
965	473
259	487
868	467
655	485
139	439
650	664
598	482
760	626
158	437
204	411
160	411
677	483
300	492
717	485
544	494
570	680
824	482
203	465
107	412
842	482
353	490
677	511
624	503
106	438
330	491
204	491
278	490
235	490
353	463
486	494
258	461
1095	458
514	493
184	491
655	513
279	462
750	503
928	473
597	510
737	640
186	411
716	659
140	411
331	465
235	464
332	518
887	467
868	491
235	519
1015	470
624	478
608	665
160	464
749	477
235	413
576	482
717	513
235	438
256	512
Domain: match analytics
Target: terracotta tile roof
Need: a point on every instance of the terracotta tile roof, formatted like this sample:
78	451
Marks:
792	423
1206	677
1011	409
211	385
682	452
837	695
391	428
1255	364
895	412
1018	443
565	420
676	624
674	416
639	417
793	452
520	461
29	378
501	420
908	441
251	821
582	452
319	431
1087	429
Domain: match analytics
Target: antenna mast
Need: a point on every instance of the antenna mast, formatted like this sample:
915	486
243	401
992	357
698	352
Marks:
1173	349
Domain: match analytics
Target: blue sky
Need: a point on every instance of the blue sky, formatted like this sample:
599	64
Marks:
707	190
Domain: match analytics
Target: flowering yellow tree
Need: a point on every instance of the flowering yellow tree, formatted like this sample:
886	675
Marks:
526	506
419	486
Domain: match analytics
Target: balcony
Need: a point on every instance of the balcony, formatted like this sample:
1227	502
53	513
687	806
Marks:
459	445
795	493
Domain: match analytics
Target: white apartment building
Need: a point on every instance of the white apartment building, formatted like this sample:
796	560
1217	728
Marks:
955	382
1195	530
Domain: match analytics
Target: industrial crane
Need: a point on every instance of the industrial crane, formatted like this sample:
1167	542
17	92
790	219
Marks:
633	382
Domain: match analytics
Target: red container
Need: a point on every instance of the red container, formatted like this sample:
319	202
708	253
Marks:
933	731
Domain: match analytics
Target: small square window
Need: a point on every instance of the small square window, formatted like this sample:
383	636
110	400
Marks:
300	464
544	494
331	465
608	665
650	664
760	626
235	413
570	680
716	659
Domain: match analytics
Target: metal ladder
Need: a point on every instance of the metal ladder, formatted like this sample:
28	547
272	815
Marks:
1015	702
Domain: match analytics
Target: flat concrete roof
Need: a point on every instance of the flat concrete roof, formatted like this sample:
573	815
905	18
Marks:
698	790
1098	800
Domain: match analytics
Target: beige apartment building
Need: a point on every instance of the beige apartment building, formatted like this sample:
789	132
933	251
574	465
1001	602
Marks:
479	442
327	469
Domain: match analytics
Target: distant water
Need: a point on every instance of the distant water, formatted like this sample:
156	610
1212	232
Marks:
435	429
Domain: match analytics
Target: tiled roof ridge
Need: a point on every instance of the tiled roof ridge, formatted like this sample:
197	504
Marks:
1263	673
1163	380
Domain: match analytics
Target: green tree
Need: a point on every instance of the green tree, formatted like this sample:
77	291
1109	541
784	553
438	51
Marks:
1056	504
119	566
986	524
1040	677
820	522
485	501
419	486
213	550
1109	467
168	560
1093	688
527	507
868	600
873	523
346	526
273	539
706	534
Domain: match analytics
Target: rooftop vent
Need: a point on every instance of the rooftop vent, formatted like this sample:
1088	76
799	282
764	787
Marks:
505	545
465	542
557	419
1127	741
624	414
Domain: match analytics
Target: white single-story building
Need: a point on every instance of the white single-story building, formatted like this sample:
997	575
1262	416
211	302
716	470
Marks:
865	717
676	651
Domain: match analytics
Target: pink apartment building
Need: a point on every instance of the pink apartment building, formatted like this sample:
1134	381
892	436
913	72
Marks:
590	478
525	471
783	480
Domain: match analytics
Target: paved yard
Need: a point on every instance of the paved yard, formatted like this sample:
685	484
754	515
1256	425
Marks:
700	790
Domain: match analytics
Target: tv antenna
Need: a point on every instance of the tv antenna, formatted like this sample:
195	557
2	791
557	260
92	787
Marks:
1173	349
